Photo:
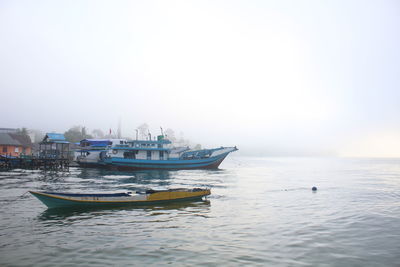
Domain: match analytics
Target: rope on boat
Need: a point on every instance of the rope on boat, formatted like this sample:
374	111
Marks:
7	199
21	196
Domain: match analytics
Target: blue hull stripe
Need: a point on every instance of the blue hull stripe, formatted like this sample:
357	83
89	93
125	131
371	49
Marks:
51	202
166	164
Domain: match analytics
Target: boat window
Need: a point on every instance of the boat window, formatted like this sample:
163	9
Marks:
148	154
130	155
161	154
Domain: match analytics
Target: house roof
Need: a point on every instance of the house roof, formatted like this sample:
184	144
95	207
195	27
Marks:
24	140
8	130
6	139
55	138
12	139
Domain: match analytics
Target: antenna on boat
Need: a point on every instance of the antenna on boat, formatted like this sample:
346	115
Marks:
162	132
137	133
149	135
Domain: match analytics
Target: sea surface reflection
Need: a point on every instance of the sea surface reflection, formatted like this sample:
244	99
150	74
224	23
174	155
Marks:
261	212
60	214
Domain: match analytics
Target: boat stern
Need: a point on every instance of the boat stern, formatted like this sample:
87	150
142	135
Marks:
196	193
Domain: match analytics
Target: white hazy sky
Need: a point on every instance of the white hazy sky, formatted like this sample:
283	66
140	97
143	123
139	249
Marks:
275	77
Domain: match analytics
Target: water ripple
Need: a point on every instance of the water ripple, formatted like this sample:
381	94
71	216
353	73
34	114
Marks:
261	213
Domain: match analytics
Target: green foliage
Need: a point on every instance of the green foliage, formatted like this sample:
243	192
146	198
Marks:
97	133
76	134
23	131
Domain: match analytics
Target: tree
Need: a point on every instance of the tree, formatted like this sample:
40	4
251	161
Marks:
76	134
23	131
182	141
170	135
83	131
28	135
197	147
37	135
143	130
97	133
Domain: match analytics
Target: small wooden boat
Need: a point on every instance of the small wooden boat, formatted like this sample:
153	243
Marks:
149	197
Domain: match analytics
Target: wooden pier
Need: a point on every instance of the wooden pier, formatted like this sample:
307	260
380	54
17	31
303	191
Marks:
53	155
34	163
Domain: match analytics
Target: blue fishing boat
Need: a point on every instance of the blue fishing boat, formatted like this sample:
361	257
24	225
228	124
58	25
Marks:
158	154
149	197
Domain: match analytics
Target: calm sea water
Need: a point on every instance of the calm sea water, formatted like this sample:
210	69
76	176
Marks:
262	212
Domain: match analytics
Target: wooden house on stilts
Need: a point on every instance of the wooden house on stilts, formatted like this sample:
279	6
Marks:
54	151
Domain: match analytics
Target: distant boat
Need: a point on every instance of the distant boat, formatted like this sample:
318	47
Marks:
91	151
149	197
157	154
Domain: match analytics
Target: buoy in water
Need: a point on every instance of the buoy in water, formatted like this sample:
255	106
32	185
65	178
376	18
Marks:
314	188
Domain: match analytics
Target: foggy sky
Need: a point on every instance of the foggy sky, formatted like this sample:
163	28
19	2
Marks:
272	77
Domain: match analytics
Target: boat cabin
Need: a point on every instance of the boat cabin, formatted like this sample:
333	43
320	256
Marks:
143	149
